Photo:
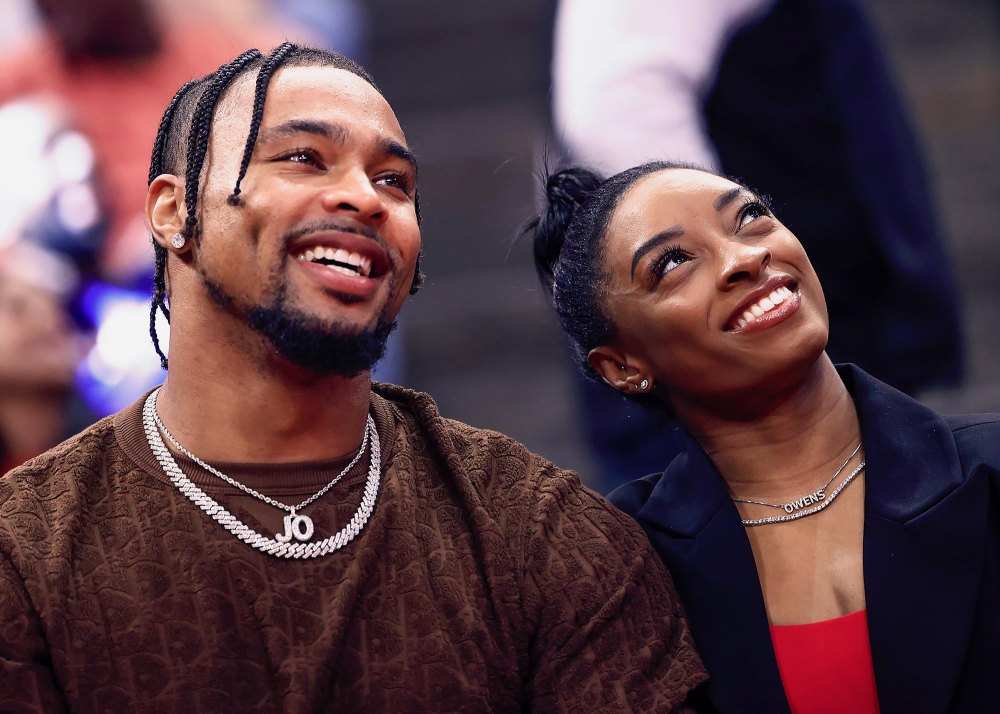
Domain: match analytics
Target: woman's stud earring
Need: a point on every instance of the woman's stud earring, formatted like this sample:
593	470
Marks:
178	240
644	385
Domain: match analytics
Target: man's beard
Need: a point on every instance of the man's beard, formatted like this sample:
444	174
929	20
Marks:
322	347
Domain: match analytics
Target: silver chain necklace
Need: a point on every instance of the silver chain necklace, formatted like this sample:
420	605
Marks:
804	506
297	526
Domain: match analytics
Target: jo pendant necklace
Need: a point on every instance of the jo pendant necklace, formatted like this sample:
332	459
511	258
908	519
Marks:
297	526
810	503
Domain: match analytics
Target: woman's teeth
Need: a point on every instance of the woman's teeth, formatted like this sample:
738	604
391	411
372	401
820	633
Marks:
341	260
764	305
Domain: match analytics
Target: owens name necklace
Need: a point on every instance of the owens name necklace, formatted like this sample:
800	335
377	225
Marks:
810	503
297	526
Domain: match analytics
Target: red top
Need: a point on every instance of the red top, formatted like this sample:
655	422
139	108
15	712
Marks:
827	666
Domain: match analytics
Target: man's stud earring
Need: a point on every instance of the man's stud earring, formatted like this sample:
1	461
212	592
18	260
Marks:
178	240
644	385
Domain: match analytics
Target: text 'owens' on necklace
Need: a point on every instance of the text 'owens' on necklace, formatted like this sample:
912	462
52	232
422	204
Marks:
296	525
810	503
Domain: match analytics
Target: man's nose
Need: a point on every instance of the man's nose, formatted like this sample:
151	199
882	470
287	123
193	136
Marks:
352	192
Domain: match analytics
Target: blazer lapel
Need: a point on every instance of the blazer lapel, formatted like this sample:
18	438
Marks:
696	528
923	550
923	559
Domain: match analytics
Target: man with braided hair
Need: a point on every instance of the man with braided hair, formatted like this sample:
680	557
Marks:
269	531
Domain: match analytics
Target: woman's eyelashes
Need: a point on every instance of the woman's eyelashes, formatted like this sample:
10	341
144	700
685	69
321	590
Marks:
671	258
752	209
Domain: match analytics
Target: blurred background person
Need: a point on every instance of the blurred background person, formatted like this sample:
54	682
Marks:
50	224
794	98
115	63
39	353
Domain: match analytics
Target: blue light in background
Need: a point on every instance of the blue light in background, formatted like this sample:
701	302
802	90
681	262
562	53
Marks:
121	364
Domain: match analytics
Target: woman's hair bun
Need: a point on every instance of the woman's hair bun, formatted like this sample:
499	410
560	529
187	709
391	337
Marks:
565	190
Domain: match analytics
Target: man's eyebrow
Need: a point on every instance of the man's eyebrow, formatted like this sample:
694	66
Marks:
391	147
728	197
659	239
327	130
335	132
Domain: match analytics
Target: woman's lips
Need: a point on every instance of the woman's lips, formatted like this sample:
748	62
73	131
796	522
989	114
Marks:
769	310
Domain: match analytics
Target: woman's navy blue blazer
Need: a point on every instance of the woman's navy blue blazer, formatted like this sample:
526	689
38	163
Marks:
931	560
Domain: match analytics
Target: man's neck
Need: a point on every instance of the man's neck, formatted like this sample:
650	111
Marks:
803	435
267	413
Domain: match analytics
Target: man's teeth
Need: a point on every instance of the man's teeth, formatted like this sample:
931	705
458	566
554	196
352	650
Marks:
765	304
344	261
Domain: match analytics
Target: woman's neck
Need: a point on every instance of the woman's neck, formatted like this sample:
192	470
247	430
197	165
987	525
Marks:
796	440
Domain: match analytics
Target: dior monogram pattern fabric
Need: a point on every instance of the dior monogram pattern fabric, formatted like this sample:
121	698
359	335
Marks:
486	580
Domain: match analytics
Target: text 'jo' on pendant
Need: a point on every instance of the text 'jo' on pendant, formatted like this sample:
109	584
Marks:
299	526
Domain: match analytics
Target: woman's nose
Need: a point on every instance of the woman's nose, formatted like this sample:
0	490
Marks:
742	262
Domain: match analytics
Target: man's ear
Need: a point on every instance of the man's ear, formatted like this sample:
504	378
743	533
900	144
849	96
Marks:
619	370
165	214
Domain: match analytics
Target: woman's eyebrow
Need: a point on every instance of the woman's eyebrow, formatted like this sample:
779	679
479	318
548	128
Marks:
728	197
658	239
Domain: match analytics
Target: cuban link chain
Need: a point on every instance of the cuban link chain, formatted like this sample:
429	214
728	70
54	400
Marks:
279	546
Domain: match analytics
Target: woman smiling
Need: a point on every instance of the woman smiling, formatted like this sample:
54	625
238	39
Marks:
834	541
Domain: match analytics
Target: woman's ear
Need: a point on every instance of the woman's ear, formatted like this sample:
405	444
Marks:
619	371
164	213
